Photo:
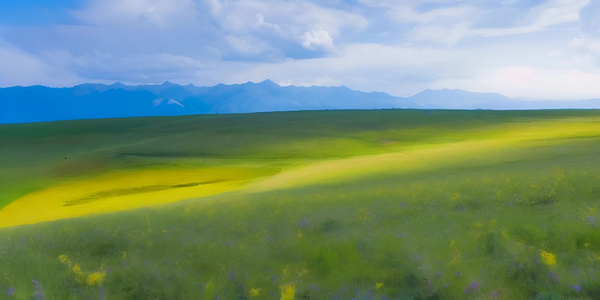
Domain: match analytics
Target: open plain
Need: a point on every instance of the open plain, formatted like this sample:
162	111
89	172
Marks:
374	204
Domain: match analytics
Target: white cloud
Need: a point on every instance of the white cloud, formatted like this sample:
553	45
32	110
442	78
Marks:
262	23
246	45
444	35
534	83
21	68
451	23
589	41
317	38
302	22
215	6
577	42
590	17
150	68
406	14
163	13
540	18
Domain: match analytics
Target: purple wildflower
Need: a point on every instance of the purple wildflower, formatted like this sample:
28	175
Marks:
592	220
101	293
303	223
11	291
438	274
495	294
231	276
553	277
576	288
472	287
39	292
457	273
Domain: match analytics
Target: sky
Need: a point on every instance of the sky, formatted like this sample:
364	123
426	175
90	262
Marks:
526	49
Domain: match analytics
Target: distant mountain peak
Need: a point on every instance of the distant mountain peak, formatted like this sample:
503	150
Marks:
268	82
264	83
117	84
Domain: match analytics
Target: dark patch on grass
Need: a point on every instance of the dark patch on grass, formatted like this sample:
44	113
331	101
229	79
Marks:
104	249
493	246
527	276
330	226
530	234
137	190
460	206
544	200
159	155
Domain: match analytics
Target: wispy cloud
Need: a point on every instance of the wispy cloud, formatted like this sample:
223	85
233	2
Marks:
22	68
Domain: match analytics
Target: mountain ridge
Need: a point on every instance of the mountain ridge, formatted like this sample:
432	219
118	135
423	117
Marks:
92	100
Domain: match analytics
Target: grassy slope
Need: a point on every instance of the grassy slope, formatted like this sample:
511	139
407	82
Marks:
333	202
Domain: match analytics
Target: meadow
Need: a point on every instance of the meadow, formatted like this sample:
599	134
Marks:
376	204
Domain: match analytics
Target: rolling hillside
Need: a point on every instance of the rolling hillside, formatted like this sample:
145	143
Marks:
386	204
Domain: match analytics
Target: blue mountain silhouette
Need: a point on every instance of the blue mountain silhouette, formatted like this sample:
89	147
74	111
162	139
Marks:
90	101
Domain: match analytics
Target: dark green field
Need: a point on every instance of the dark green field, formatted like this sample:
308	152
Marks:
390	204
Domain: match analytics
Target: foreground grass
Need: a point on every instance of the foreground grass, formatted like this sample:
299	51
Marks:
509	220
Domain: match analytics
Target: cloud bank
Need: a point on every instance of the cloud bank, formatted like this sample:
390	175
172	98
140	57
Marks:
538	49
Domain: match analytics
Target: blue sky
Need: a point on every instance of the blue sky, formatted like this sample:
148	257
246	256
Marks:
532	49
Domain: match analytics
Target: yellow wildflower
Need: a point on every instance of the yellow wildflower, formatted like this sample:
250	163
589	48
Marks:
63	259
456	196
288	291
548	258
95	278
254	292
299	233
378	285
79	275
77	270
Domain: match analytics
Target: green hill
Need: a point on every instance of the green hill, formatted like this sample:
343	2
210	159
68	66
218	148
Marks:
388	204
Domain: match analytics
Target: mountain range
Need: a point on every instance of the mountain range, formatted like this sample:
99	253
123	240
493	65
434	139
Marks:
90	101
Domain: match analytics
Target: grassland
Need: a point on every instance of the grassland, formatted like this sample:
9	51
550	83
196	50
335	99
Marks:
386	204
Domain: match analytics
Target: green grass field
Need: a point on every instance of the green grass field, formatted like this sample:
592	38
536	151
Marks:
388	204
